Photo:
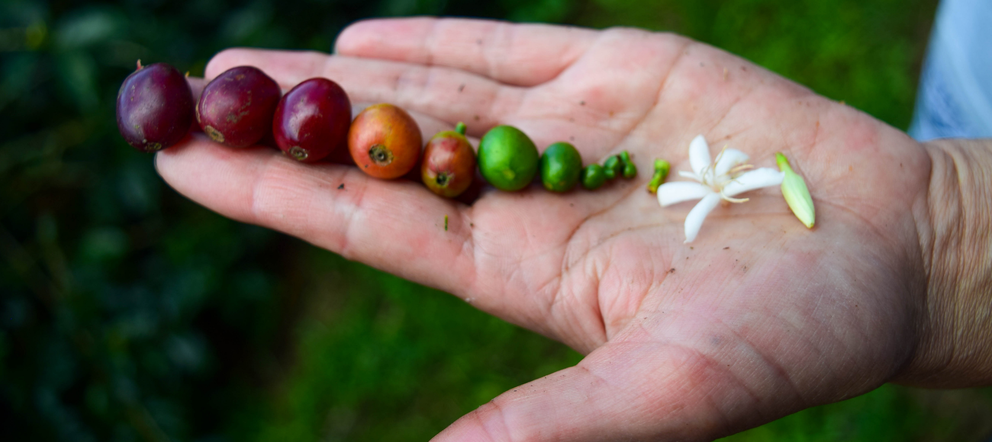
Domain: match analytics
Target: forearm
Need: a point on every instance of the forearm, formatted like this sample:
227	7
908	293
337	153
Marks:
955	226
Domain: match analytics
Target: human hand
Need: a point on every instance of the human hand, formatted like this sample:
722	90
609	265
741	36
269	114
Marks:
756	319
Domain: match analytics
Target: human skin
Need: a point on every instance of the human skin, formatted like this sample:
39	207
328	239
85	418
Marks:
756	319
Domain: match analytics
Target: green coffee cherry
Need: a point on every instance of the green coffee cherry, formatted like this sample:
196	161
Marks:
629	168
612	167
561	167
593	177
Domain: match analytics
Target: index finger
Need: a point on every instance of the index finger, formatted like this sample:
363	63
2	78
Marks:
451	95
514	54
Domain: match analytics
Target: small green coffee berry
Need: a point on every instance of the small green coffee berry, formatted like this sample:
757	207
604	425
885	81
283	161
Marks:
612	167
593	176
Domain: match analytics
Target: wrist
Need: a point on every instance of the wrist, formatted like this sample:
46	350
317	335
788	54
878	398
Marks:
954	222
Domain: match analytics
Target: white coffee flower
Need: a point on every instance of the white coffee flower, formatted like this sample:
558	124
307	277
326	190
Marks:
718	180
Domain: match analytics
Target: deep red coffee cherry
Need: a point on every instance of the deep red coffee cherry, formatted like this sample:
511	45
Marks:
312	120
236	107
154	107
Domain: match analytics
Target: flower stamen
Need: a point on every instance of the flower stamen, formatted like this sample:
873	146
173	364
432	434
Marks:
740	168
732	199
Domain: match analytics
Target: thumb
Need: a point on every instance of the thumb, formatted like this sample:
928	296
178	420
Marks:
628	392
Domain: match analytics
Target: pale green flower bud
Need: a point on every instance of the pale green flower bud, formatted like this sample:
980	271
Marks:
795	192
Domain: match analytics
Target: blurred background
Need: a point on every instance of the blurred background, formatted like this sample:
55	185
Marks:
128	313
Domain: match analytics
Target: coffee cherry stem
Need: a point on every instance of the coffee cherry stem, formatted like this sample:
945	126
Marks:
460	128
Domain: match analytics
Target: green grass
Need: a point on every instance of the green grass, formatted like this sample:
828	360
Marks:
380	358
890	413
866	53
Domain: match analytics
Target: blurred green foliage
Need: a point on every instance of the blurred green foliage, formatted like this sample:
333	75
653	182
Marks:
866	53
129	314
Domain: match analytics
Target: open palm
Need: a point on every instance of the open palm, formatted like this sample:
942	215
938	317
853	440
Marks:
757	318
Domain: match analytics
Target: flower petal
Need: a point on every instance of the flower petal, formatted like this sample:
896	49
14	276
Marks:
699	155
690	175
729	159
678	191
694	220
753	179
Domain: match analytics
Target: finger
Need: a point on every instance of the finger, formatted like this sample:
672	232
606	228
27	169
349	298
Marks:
515	54
448	94
196	85
394	225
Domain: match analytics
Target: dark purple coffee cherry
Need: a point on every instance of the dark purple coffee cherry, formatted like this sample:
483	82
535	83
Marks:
236	108
154	107
312	120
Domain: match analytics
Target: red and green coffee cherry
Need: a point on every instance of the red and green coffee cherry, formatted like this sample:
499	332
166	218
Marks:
385	141
154	107
312	120
449	163
236	108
